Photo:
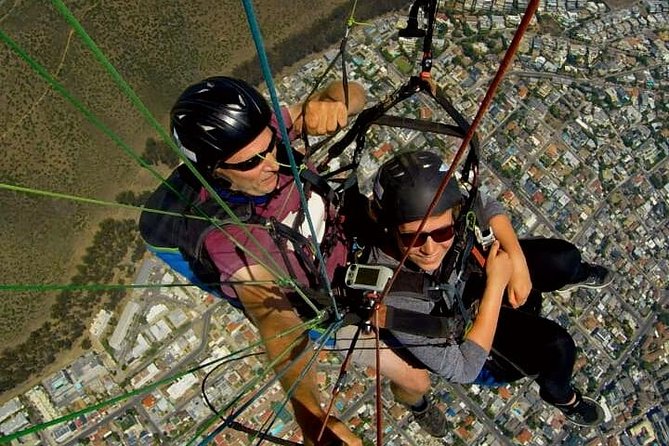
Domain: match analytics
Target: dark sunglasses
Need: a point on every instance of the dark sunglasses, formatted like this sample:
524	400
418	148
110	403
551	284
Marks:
438	235
252	162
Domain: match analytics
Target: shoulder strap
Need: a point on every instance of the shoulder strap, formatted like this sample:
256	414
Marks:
421	324
181	196
439	323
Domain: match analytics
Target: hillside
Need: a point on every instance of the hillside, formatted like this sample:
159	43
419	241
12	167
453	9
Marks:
159	48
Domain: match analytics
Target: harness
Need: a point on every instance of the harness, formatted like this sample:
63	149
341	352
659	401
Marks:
375	115
451	316
448	318
179	240
176	235
470	236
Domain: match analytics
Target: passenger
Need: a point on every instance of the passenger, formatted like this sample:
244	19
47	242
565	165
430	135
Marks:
498	324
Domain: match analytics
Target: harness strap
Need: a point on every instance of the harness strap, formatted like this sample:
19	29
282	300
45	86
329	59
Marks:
420	125
280	234
366	118
462	275
454	267
412	29
319	184
377	115
420	324
440	323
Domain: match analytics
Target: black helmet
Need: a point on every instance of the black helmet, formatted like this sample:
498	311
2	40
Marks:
215	118
405	186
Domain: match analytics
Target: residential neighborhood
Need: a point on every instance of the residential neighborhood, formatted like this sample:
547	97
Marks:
575	145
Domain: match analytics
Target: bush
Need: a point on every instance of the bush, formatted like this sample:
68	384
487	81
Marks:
73	308
160	152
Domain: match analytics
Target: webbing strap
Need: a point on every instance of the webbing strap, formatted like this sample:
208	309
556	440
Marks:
302	247
420	324
420	125
319	184
377	115
412	30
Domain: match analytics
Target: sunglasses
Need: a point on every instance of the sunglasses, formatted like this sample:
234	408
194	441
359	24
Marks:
252	162
438	235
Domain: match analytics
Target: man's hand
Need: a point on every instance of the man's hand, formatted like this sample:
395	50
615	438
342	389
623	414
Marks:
323	117
325	111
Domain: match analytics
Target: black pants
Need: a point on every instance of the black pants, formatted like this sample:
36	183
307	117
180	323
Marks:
527	344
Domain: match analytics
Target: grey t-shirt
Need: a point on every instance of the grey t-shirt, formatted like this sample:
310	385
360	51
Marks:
459	363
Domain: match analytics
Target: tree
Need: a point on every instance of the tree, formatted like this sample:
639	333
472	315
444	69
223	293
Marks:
129	197
159	152
468	50
664	317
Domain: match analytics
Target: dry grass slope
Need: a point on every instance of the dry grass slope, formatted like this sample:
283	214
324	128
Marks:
158	47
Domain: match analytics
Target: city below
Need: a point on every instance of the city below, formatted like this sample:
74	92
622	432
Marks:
575	146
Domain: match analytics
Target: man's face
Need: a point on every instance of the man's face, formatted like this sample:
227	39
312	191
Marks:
437	236
262	178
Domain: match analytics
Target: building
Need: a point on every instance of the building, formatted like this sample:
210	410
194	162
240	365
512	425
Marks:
121	329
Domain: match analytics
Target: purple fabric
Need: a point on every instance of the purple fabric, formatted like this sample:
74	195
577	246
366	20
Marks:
284	204
229	259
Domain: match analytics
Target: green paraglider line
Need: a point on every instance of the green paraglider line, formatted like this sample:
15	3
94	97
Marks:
93	119
323	338
267	75
76	198
320	343
18	287
60	6
107	131
137	102
232	356
39	69
56	287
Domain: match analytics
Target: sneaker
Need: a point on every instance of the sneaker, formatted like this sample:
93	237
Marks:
584	412
599	277
431	420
